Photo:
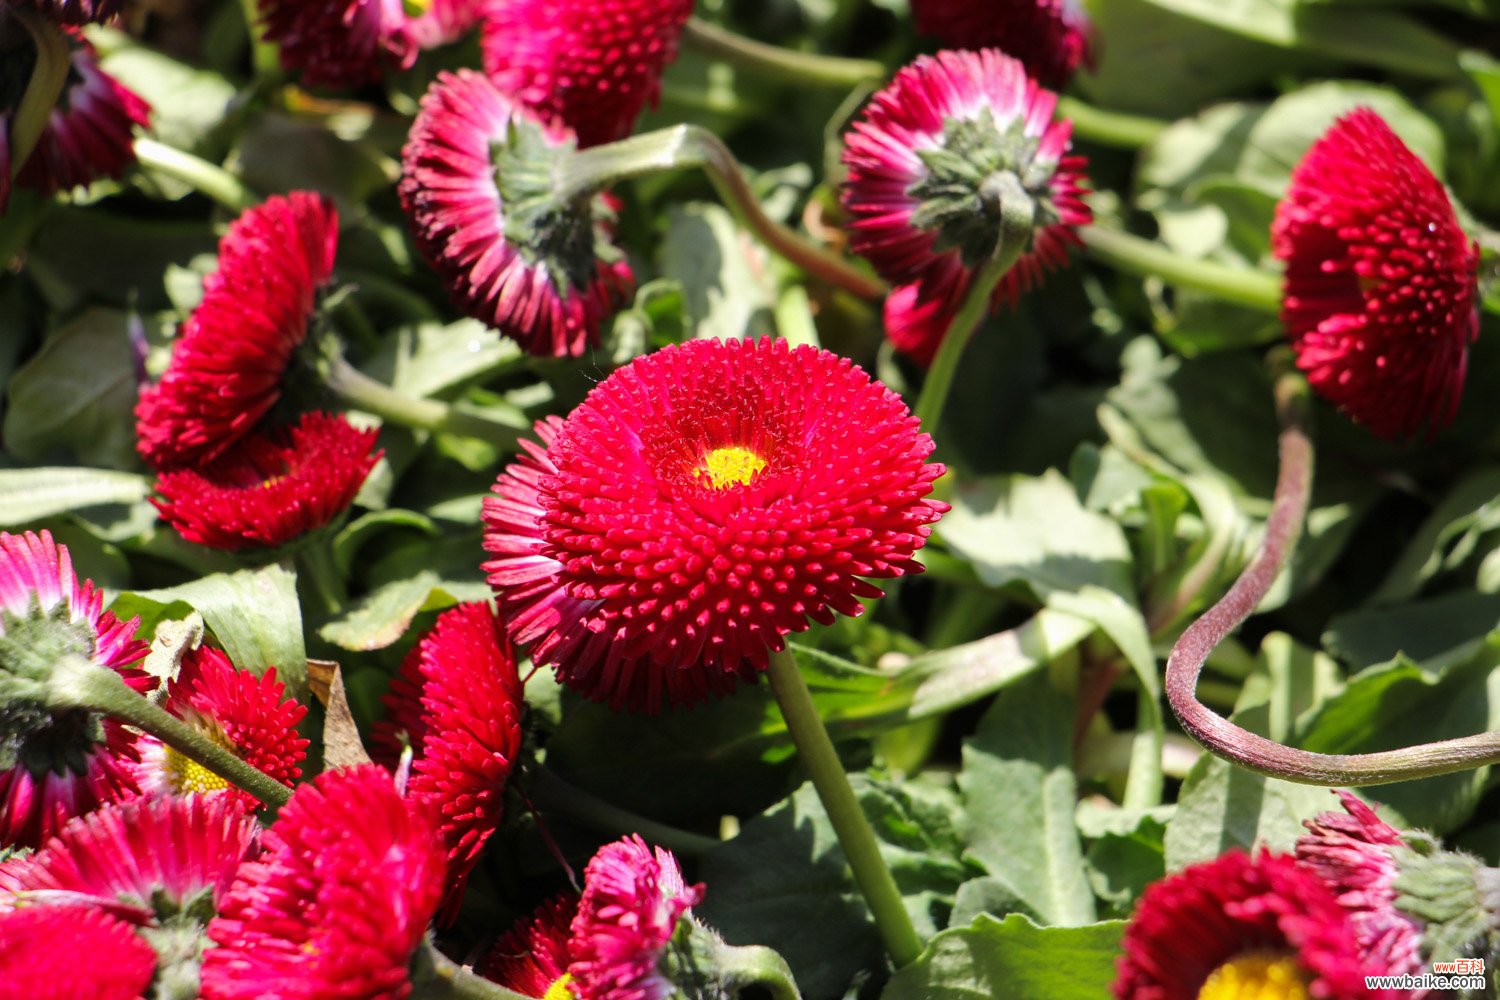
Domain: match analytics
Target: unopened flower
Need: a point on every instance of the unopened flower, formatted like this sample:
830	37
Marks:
337	904
1380	298
270	489
1241	927
245	714
339	43
931	161
458	703
71	953
592	64
226	369
702	503
475	183
1052	38
532	957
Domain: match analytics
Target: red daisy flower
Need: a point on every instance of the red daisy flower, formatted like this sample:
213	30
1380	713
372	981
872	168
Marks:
1381	281
74	11
703	502
226	369
594	64
242	713
339	43
544	279
458	704
1238	926
270	488
337	904
921	161
57	765
446	21
71	953
532	957
1050	37
632	900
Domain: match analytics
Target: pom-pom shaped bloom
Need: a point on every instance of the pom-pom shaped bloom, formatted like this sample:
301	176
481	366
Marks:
270	488
458	704
1241	927
73	11
242	713
1052	38
339	43
55	765
532	957
632	900
226	370
71	953
701	503
446	21
593	64
1380	290
476	186
930	161
336	905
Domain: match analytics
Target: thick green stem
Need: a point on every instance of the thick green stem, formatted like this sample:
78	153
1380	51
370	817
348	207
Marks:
49	76
1253	289
551	792
435	976
683	146
363	393
816	751
804	69
1109	128
206	178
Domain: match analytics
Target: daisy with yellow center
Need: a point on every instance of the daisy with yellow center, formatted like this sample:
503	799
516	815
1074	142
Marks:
725	467
1257	976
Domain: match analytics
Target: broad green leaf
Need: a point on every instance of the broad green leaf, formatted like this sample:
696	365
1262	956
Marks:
280	153
1121	865
28	495
431	359
726	287
1448	536
382	617
353	536
187	104
1436	631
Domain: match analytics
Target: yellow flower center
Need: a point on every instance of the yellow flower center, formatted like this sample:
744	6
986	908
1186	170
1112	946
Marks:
729	466
1257	975
561	989
187	775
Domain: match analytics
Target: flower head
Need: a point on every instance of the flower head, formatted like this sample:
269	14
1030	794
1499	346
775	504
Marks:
1050	37
55	765
74	11
1239	926
270	489
532	957
593	64
931	161
244	714
632	900
71	953
1381	281
339	43
475	179
703	502
338	902
226	370
458	703
446	21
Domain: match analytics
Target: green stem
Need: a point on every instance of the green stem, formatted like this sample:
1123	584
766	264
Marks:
21	221
363	393
683	146
1109	128
855	836
1148	259
77	683
54	58
754	965
265	56
551	792
435	976
787	65
206	178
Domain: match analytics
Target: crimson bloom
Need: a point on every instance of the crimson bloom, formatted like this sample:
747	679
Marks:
338	902
1052	38
928	163
242	713
593	64
458	704
1381	281
445	21
701	503
1239	926
532	957
546	280
226	370
339	43
270	488
71	953
55	765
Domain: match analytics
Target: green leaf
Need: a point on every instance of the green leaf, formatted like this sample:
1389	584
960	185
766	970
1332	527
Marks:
1437	632
382	617
722	271
1448	536
28	495
1014	959
187	104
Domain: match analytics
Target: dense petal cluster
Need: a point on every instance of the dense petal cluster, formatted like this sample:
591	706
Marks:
446	21
1241	926
226	370
1380	298
701	503
920	159
458	703
532	957
339	43
336	905
270	488
547	283
242	713
71	953
592	64
1052	38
